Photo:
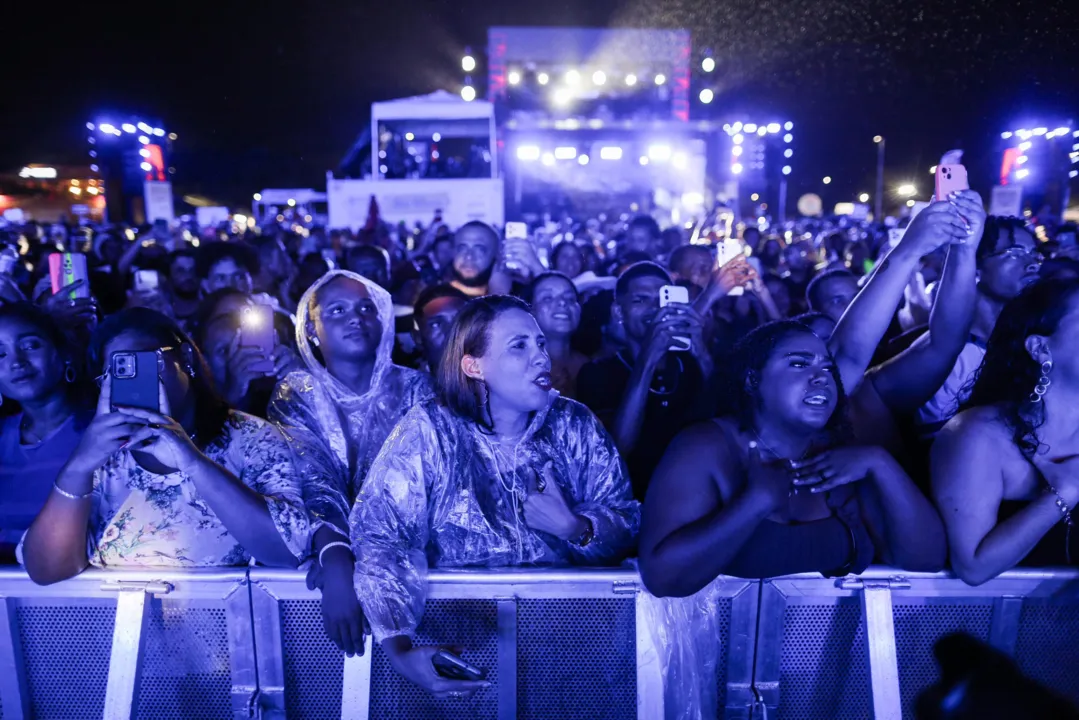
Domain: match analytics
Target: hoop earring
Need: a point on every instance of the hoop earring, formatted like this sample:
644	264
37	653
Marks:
69	373
1043	382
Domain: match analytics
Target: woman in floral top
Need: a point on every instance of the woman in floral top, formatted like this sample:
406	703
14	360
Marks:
196	485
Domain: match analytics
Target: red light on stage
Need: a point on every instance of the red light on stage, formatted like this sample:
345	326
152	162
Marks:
1011	160
157	163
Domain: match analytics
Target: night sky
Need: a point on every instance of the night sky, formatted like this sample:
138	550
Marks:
271	94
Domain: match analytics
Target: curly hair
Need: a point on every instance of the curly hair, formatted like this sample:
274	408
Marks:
1008	373
745	365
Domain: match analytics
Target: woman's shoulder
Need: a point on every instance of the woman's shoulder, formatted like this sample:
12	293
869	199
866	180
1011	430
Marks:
241	425
986	422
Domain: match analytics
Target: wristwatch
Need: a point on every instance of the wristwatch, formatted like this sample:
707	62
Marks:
589	532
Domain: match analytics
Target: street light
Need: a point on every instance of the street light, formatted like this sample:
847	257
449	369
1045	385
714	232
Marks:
827	180
863	198
878	139
906	190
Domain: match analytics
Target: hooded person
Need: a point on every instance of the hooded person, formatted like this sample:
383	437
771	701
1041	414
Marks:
498	471
336	414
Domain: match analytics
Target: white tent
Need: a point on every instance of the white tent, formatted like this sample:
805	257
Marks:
439	105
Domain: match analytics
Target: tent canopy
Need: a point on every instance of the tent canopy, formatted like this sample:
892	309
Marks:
439	105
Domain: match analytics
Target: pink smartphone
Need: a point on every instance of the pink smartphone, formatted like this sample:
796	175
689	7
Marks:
66	268
951	178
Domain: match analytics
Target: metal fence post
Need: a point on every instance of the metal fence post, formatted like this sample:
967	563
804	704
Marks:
13	695
883	658
356	684
125	663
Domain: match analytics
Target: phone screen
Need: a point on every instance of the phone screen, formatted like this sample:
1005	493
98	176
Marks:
516	231
257	331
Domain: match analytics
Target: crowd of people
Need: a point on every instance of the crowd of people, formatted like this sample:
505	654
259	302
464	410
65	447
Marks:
832	397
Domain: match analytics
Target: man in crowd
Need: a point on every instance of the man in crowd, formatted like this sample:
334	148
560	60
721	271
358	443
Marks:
643	236
692	264
646	393
831	292
434	312
1008	261
227	265
184	280
275	268
370	261
474	258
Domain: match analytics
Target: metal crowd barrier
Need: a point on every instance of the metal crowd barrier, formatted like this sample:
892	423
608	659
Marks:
567	644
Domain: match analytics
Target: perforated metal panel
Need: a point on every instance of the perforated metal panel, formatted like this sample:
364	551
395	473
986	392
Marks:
185	672
472	624
576	659
723	622
1047	649
824	671
918	627
66	648
313	664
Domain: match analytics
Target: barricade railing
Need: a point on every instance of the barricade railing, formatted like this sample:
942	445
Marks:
571	643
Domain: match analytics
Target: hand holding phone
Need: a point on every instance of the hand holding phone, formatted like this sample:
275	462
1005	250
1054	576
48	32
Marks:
257	331
452	667
669	295
146	281
133	380
950	179
66	269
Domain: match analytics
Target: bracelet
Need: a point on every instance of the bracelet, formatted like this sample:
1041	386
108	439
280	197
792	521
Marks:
71	496
1063	506
327	546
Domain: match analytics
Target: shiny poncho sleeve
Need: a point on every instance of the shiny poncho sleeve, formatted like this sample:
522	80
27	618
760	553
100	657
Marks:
390	528
312	427
600	486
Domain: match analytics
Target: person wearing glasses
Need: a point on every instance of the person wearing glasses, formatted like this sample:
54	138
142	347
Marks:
194	484
1008	261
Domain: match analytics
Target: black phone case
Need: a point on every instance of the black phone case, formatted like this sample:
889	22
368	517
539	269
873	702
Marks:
452	671
140	391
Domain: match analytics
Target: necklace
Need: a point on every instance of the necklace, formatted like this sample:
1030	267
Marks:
770	449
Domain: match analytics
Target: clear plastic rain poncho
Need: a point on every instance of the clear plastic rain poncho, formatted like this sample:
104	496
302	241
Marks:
335	434
442	493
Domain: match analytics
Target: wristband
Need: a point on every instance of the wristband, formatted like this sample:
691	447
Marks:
337	543
71	496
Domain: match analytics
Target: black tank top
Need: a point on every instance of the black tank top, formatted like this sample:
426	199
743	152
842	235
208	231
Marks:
834	546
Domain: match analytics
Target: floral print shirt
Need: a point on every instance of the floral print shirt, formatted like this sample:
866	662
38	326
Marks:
142	519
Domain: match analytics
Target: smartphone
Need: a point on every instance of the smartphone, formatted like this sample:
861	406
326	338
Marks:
726	251
257	331
951	178
669	294
133	378
146	280
66	268
452	667
516	231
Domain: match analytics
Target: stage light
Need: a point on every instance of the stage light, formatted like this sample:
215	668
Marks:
144	152
786	169
599	77
107	129
788	153
147	167
514	77
863	198
750	128
737	139
631	79
543	78
128	127
1021	159
736	150
788	126
788	138
906	190
1005	135
610	153
562	96
644	160
660	79
736	128
89	126
468	63
910	203
878	139
547	159
680	161
1024	146
827	180
528	152
145	128
468	93
158	132
706	96
692	199
291	202
573	77
1073	173
933	170
736	168
173	136
144	140
1039	131
659	153
258	197
582	159
436	137
565	153
773	128
75	190
708	64
410	137
92	190
1022	174
762	130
